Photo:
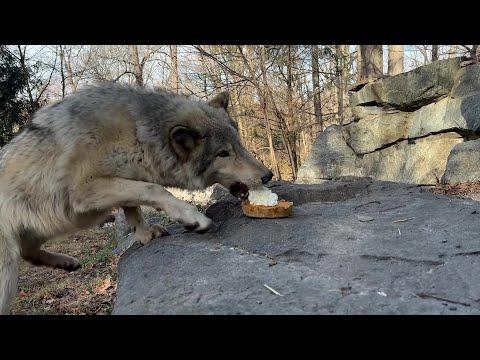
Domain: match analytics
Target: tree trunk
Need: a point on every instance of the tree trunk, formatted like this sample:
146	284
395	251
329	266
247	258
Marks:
211	74
317	103
434	52
304	124
278	114
452	51
372	61
395	59
473	52
261	93
339	82
33	105
268	129
137	66
359	63
62	61
347	61
292	136
174	68
68	67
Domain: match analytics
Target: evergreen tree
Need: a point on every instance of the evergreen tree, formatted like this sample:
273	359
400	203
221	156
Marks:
13	106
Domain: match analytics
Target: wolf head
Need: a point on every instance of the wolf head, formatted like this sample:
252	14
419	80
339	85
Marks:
207	148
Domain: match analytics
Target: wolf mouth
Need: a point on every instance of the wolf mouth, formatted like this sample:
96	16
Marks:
239	190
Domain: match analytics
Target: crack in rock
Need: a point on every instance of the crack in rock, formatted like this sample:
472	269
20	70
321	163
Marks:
430	296
468	253
297	255
397	258
411	140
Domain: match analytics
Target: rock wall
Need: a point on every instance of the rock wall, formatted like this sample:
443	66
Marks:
417	127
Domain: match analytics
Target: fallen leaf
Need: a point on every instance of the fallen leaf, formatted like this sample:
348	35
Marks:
102	288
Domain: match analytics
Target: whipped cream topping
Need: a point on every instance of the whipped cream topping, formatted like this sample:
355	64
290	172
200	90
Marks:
262	196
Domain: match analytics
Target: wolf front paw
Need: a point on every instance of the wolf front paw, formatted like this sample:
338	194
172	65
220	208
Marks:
190	217
200	223
144	236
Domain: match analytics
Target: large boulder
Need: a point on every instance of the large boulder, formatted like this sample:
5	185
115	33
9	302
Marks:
376	131
403	128
416	161
330	158
357	247
467	81
419	161
464	113
463	163
410	90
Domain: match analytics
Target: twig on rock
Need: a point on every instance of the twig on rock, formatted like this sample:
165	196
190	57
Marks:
272	290
402	220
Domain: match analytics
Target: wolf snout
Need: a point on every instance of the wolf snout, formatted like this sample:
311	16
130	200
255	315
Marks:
267	177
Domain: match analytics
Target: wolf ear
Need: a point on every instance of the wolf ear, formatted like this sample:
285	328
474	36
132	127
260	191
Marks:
183	140
220	101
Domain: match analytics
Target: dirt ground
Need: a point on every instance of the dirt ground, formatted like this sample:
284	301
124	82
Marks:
89	290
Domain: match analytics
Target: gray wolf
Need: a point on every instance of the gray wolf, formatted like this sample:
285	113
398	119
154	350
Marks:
110	146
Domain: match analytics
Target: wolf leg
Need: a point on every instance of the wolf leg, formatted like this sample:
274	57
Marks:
143	231
9	256
54	260
30	251
106	193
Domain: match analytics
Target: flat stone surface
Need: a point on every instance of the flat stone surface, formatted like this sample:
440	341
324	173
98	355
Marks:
418	253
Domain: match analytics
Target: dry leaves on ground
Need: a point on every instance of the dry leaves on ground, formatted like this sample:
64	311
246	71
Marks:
466	188
90	290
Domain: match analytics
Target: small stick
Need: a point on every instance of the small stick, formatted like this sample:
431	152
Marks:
402	220
399	232
272	290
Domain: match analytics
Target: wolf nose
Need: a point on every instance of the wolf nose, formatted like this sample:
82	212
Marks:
267	177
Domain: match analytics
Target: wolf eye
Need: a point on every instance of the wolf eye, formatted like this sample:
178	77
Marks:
223	153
